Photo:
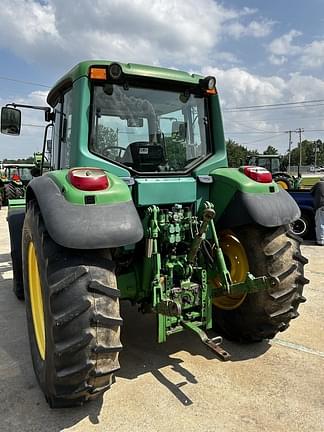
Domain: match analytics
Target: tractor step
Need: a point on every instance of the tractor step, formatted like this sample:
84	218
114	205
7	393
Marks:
213	343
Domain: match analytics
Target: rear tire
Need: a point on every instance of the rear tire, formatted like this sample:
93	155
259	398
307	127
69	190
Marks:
284	182
15	225
271	252
13	192
302	226
81	317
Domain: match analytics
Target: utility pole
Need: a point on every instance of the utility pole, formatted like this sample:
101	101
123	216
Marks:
317	145
315	156
289	149
299	131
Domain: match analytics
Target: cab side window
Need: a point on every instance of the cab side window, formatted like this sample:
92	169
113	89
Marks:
66	130
61	136
56	134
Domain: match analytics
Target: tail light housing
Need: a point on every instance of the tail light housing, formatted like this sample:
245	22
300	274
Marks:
258	174
88	179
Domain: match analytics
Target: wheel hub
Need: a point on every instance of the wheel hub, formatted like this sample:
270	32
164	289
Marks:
238	265
282	184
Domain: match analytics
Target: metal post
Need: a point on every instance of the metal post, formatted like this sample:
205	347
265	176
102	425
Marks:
317	143
289	151
299	131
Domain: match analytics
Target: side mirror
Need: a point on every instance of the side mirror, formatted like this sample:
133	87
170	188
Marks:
10	121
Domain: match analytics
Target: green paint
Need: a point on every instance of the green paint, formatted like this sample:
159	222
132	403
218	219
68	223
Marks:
179	284
229	180
80	153
218	158
250	285
82	70
117	191
167	190
127	284
16	203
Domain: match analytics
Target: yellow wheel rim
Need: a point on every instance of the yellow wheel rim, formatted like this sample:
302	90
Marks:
36	300
238	264
282	184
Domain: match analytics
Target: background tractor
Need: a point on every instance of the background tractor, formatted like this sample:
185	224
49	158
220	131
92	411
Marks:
140	205
13	179
273	163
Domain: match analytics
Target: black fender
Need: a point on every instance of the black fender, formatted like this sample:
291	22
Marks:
269	210
281	174
89	226
15	221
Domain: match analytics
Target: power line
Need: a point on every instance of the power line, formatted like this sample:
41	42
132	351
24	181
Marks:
271	119
272	108
263	139
254	133
251	127
313	130
274	105
24	82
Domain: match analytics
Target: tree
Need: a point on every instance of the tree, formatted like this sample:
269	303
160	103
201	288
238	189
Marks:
29	159
270	151
308	154
106	137
236	153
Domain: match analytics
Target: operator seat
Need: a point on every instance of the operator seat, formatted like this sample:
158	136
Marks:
144	156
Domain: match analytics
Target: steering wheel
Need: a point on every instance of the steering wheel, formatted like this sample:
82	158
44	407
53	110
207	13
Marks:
121	151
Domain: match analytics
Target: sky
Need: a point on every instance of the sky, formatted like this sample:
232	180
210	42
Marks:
261	52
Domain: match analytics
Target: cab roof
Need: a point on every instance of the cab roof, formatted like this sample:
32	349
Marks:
82	70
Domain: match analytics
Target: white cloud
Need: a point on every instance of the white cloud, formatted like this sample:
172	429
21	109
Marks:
138	30
313	55
254	28
277	60
248	11
60	33
237	87
284	46
27	28
308	56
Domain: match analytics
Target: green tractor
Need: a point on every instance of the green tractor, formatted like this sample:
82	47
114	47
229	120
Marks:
139	205
273	163
13	179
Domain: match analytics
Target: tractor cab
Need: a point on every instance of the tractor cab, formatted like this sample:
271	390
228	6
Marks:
270	162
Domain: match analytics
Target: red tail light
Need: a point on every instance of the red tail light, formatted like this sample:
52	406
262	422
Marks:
15	177
88	179
259	174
